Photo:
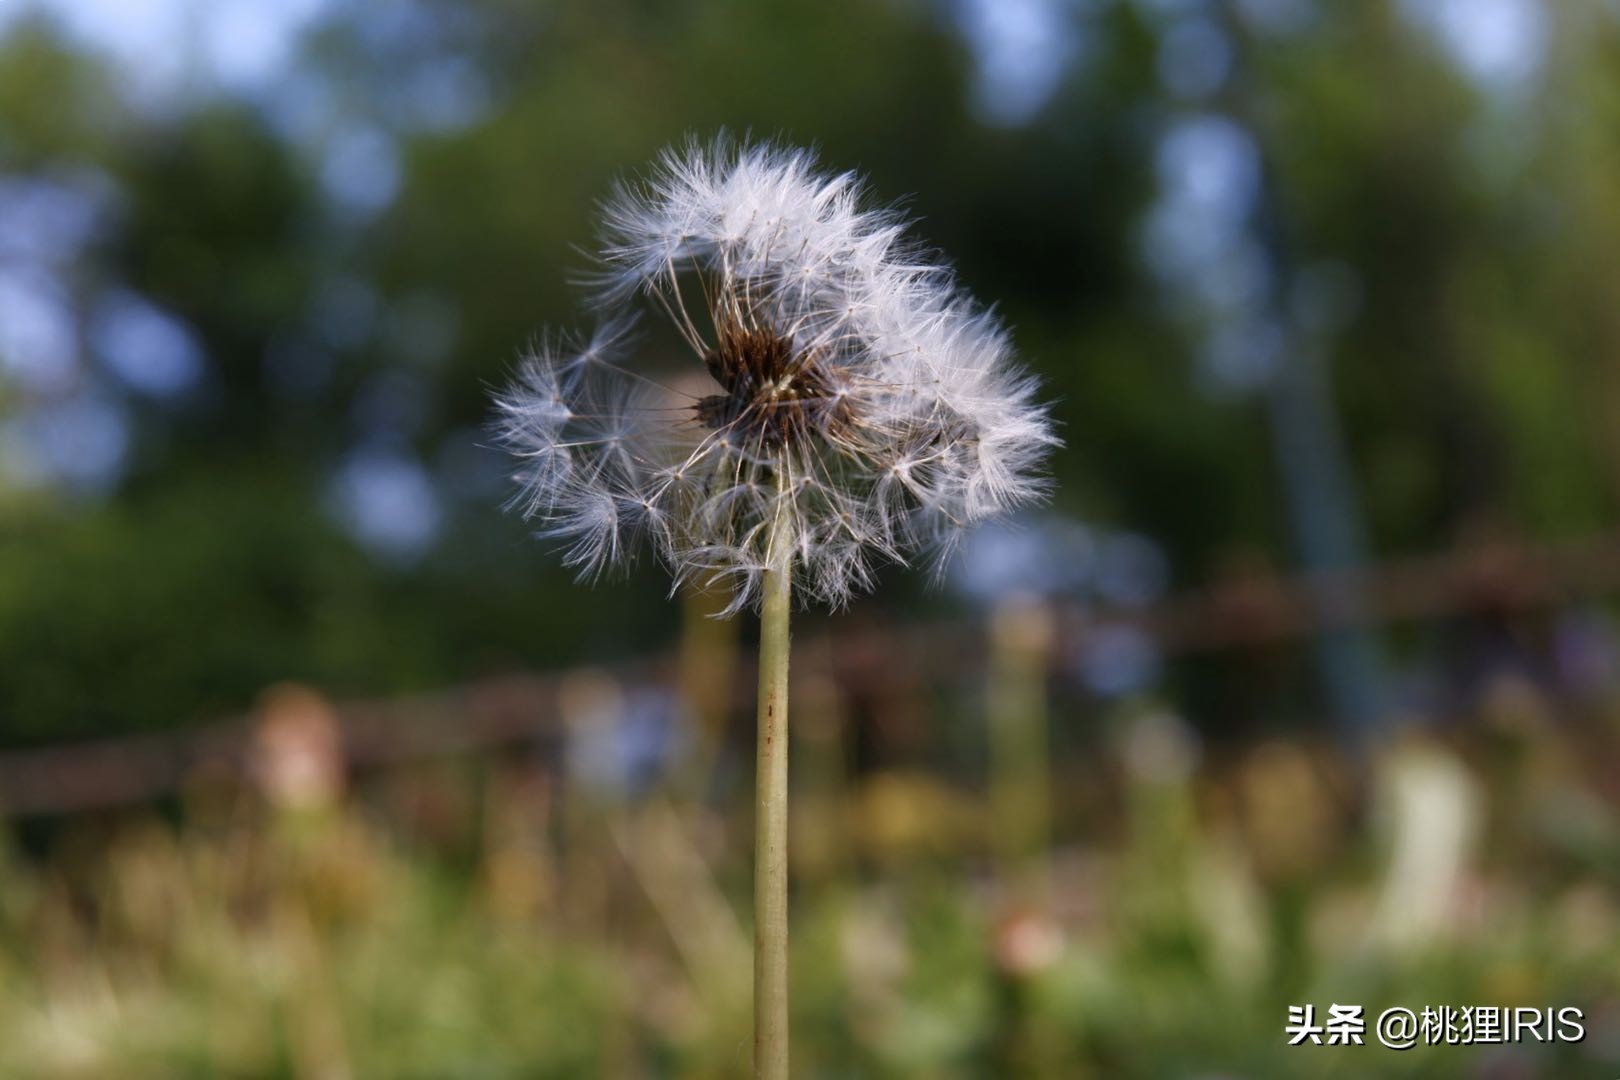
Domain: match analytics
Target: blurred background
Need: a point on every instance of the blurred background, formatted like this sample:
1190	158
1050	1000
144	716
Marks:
1304	690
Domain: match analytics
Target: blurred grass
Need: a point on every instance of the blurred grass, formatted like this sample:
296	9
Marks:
477	918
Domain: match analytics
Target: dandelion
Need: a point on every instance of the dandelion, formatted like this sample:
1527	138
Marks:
859	409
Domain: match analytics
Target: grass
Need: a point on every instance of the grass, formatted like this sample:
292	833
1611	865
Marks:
474	919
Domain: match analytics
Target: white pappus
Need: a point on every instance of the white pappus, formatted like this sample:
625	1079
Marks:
862	407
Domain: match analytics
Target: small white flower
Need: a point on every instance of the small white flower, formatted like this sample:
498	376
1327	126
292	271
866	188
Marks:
860	407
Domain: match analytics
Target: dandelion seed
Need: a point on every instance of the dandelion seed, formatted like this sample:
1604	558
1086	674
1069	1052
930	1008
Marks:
856	392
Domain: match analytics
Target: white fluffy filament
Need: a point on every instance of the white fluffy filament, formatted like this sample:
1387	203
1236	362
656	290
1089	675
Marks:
857	390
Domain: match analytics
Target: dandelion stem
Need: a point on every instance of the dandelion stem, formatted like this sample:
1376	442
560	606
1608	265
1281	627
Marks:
771	813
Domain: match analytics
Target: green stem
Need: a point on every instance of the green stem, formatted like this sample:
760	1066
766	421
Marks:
771	818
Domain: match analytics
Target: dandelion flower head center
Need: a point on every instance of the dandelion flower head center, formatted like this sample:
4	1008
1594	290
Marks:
774	395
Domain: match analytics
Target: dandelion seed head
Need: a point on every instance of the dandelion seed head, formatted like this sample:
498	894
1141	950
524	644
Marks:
859	407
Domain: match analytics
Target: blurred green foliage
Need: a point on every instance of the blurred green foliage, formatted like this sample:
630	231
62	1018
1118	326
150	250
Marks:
1473	229
452	920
